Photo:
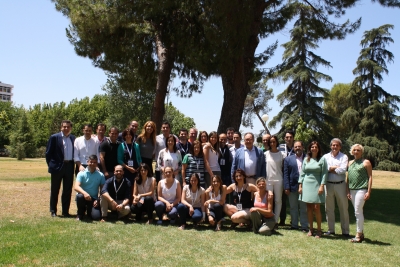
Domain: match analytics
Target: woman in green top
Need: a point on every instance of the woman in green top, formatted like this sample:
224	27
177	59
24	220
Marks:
359	181
311	184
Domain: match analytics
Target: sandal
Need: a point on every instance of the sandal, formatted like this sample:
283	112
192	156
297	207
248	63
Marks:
318	234
218	228
357	239
182	227
310	232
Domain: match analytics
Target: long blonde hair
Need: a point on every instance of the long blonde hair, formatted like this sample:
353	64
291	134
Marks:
142	135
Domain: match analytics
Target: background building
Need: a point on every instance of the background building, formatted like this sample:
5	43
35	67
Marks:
6	92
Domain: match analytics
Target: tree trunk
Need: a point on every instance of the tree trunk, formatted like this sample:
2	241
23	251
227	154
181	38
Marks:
235	82
166	58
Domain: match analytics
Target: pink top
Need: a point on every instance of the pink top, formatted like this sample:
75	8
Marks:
263	204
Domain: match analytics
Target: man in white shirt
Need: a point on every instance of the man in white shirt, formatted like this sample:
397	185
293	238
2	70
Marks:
84	146
336	188
237	139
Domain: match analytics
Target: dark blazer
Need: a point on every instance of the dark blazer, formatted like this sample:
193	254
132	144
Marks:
238	162
291	174
55	152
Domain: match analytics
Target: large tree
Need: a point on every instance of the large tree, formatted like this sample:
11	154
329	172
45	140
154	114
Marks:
372	113
303	97
140	42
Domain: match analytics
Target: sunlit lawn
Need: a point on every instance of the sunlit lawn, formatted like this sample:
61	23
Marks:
30	237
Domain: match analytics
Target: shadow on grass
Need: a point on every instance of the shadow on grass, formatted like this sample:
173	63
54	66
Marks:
382	207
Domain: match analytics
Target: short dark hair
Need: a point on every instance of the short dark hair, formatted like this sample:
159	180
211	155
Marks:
101	125
166	122
93	157
183	130
230	129
198	180
87	125
289	132
113	128
66	121
241	172
126	131
166	142
238	133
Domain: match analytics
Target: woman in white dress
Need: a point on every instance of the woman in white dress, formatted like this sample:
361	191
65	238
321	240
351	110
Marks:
170	157
274	162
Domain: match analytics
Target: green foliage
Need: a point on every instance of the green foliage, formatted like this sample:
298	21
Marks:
303	133
177	119
256	103
125	106
387	165
372	113
8	117
303	96
21	144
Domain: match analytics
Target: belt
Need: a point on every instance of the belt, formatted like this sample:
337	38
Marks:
336	182
68	161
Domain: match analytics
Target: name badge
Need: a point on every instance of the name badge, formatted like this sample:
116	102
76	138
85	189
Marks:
239	206
130	163
222	162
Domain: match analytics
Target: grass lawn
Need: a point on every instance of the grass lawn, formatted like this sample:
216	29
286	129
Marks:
30	237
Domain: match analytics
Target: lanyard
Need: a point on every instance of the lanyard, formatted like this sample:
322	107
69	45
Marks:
116	190
129	151
222	153
197	162
183	149
239	195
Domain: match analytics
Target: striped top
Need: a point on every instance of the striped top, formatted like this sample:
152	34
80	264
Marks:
358	175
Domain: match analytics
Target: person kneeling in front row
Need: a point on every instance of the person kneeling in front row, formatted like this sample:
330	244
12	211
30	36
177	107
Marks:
261	214
88	183
116	194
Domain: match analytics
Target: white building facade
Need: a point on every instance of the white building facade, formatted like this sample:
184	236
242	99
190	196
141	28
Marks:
6	92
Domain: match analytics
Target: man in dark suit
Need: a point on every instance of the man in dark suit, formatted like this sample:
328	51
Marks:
291	172
59	158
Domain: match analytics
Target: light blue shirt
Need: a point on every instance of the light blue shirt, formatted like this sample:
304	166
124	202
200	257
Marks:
67	144
91	182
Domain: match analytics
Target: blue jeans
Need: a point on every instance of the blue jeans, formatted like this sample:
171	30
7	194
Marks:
298	208
183	211
160	208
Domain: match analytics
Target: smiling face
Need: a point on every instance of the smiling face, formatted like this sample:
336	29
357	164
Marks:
203	138
196	150
87	132
222	140
165	129
66	128
134	125
248	141
194	181
213	139
168	173
314	149
149	128
289	140
298	149
273	143
171	142
261	185
335	147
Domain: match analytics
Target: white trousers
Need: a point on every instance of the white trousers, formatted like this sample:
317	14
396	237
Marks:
357	198
276	186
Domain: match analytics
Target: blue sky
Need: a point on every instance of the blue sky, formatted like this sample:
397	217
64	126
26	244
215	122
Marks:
36	57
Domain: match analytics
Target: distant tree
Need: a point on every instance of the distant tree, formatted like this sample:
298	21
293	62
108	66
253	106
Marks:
335	105
8	117
125	106
256	104
303	97
372	113
177	119
303	133
21	142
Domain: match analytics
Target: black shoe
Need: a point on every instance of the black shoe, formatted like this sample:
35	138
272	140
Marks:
346	235
79	218
53	214
294	228
66	214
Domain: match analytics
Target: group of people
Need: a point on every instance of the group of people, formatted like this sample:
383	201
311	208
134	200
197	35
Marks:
207	176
